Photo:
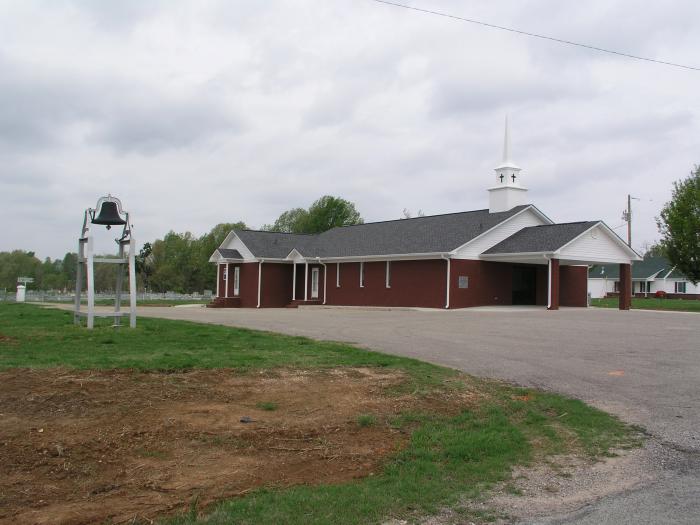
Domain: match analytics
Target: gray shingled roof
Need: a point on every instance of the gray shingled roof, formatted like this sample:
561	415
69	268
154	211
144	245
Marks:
649	267
227	253
537	239
433	234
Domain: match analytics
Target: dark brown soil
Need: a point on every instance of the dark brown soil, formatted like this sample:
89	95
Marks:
89	446
6	339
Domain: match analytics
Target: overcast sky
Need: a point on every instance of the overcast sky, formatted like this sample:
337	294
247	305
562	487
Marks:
196	113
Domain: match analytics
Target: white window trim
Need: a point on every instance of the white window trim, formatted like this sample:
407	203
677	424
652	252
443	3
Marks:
677	286
388	274
362	274
236	281
315	273
337	275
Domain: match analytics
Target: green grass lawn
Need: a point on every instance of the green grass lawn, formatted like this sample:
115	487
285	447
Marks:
448	457
651	303
144	302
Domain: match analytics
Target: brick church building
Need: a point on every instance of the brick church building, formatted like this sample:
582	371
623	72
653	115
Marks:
508	254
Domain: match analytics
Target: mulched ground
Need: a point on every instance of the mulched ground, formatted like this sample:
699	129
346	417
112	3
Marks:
89	446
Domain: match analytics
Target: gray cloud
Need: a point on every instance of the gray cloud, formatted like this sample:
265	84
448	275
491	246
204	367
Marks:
196	113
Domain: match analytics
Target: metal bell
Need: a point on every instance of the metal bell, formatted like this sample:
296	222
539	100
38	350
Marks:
108	215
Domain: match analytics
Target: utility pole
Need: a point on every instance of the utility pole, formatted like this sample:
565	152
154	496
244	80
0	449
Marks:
627	217
629	220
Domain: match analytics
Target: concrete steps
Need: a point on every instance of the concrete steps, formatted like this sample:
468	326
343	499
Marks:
300	302
225	302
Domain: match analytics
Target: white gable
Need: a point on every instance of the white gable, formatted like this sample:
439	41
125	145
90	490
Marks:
527	217
599	245
233	242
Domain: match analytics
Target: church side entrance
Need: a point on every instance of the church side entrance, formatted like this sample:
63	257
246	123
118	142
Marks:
524	285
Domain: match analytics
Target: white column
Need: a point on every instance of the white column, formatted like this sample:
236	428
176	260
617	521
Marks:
260	282
294	282
132	282
79	280
447	291
90	271
218	279
228	269
306	281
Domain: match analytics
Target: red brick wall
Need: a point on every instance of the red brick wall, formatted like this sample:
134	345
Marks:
413	283
276	290
249	283
573	285
220	277
490	283
542	284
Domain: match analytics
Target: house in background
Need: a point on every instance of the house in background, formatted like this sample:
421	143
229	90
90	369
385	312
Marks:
651	275
510	253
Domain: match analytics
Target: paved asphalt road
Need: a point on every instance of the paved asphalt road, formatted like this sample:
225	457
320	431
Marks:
643	366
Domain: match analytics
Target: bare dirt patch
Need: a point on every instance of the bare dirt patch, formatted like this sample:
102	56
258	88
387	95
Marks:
89	446
7	340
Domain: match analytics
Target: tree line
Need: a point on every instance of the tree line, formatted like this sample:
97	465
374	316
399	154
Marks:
179	262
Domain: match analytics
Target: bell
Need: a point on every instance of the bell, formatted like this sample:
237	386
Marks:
109	215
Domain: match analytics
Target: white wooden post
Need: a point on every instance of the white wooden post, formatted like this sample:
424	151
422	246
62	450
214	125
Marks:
294	282
306	281
90	272
79	280
228	276
132	282
118	289
218	279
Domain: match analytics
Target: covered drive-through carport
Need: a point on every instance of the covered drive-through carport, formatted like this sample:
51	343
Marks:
559	246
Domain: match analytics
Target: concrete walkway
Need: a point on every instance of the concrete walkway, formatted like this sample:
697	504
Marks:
643	366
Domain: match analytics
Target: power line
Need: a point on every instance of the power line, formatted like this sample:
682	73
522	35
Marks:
534	35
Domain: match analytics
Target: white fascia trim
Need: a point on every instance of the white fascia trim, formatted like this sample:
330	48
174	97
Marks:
390	256
554	255
528	255
634	255
596	260
669	273
654	275
529	207
298	257
230	235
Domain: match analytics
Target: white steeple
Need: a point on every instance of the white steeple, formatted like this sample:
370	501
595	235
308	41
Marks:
508	192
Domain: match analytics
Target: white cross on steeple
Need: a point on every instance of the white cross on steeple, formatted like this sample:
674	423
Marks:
507	192
507	172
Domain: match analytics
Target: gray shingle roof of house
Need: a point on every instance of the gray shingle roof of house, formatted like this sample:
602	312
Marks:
546	238
432	234
227	253
650	267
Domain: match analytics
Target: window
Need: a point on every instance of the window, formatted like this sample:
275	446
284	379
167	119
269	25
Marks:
644	286
680	286
463	281
616	287
362	275
314	282
225	272
337	275
236	280
388	274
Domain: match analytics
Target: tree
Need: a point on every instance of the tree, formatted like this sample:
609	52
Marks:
325	213
652	250
331	212
206	245
290	221
679	224
144	264
408	215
